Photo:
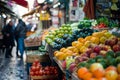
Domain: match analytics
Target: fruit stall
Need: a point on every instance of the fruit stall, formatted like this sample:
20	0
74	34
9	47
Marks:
86	50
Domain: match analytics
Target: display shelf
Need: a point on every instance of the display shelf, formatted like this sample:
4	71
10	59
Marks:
74	76
66	72
59	64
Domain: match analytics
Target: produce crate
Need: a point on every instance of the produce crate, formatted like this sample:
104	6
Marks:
32	57
53	77
32	44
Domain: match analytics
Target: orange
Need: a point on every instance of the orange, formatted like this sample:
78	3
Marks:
118	78
92	79
87	75
103	78
111	68
81	72
98	73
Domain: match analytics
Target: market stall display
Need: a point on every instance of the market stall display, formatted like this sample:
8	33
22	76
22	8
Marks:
37	71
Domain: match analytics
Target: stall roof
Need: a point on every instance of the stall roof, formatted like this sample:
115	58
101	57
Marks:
4	8
21	2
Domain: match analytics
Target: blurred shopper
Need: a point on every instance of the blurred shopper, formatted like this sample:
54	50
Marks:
8	38
20	34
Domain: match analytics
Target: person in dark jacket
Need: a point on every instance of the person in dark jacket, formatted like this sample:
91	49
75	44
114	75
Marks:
8	38
20	34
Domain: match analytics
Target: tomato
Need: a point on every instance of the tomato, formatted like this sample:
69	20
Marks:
37	73
41	72
33	68
46	68
38	68
31	73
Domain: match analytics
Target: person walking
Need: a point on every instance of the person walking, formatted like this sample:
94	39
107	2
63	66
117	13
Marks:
20	35
8	38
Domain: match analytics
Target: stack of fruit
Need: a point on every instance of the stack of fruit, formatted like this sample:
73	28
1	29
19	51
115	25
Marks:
64	29
97	72
82	45
65	35
37	70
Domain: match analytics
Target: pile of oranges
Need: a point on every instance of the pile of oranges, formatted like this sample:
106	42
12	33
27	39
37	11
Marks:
110	73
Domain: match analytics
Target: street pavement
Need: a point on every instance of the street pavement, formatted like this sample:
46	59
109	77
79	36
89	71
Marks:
13	68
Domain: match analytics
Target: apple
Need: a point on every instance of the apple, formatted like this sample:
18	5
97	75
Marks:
93	55
72	67
116	48
112	42
107	42
96	49
103	53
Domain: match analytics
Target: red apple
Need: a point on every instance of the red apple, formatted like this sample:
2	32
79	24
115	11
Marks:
112	43
89	51
116	48
107	42
96	49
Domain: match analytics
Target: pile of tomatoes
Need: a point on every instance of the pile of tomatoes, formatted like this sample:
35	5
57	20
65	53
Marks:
37	70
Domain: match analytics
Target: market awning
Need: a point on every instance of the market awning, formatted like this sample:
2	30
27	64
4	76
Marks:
32	11
21	2
4	8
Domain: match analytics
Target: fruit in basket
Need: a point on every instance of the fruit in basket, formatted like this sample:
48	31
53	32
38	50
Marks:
103	78
111	68
96	66
72	67
111	75
93	55
81	72
118	68
107	34
87	75
117	59
98	73
103	39
116	48
97	49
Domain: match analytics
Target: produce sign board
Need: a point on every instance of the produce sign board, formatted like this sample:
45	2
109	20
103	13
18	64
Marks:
44	77
42	58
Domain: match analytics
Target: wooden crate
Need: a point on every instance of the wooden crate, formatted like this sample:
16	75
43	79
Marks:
32	44
32	57
43	77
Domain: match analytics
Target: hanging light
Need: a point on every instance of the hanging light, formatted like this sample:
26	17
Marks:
40	1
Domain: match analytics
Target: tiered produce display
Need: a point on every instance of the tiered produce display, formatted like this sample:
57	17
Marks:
37	71
88	53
